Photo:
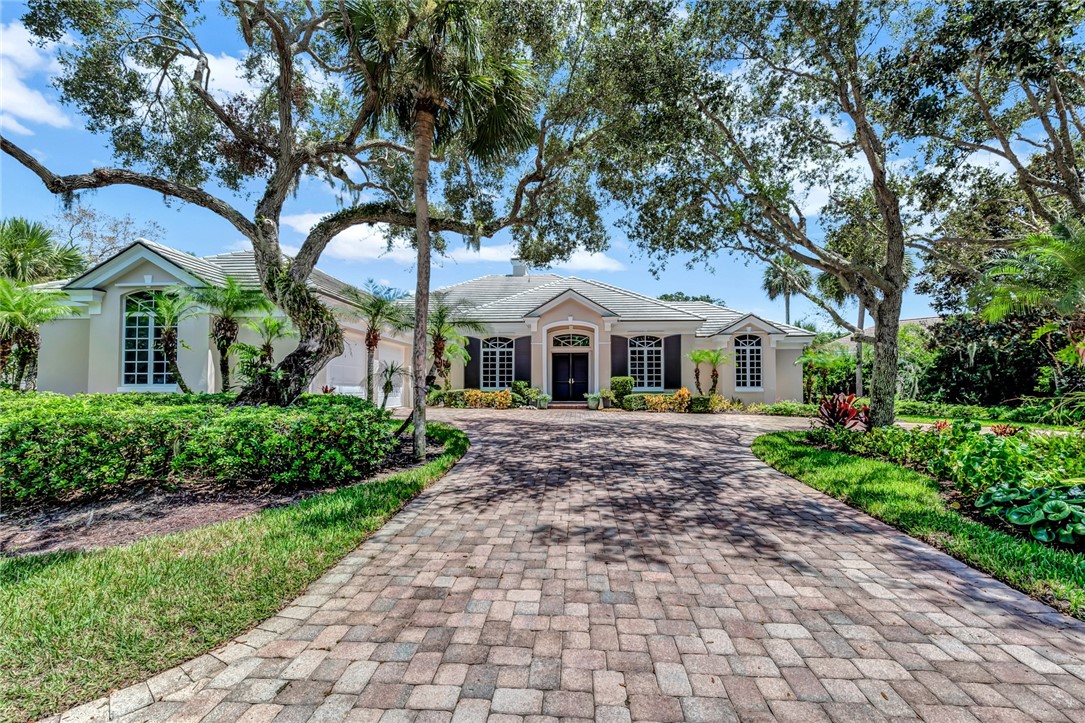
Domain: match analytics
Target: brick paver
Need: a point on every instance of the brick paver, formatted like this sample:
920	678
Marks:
632	567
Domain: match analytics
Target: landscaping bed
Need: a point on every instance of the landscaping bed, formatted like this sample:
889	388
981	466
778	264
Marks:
75	625
891	474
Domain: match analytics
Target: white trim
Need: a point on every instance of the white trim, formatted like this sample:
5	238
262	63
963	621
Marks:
161	388
766	327
749	389
547	351
567	295
128	258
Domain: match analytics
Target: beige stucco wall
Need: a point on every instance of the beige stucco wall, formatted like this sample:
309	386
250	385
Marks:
788	375
62	363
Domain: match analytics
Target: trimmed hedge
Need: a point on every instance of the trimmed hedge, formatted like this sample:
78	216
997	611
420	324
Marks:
1034	411
621	387
53	447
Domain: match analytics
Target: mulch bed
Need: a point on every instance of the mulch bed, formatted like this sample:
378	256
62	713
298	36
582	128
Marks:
154	507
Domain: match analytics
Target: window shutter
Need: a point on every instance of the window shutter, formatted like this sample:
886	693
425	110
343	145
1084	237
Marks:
672	361
619	356
472	372
522	361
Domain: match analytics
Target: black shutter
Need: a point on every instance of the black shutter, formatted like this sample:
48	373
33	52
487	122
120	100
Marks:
619	356
522	359
472	372
672	361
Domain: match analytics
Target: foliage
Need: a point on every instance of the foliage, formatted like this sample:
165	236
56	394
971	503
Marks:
388	373
170	308
683	296
679	401
785	277
714	358
1005	430
53	448
1050	513
227	304
29	254
635	402
131	611
98	235
524	395
700	404
912	502
378	308
826	369
23	309
478	399
840	411
915	359
1031	411
622	388
446	324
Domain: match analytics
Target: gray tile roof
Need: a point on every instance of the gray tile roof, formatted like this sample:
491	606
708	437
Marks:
623	304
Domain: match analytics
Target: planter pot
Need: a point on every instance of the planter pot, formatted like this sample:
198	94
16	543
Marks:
606	403
541	404
593	404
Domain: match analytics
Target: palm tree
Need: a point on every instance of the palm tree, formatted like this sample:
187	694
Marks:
698	357
270	329
715	358
377	307
388	373
23	309
785	276
226	304
447	322
1047	273
28	253
170	309
436	81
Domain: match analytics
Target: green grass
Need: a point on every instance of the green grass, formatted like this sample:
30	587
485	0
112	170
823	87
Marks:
911	502
989	422
74	626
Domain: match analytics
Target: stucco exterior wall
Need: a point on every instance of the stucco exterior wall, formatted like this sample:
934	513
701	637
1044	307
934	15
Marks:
62	363
788	375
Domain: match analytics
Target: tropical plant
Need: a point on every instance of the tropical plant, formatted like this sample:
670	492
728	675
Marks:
23	309
785	277
698	357
29	253
378	307
447	323
1050	513
840	411
270	328
824	367
440	82
170	309
389	372
227	304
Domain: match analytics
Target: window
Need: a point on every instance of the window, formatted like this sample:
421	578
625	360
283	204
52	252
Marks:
144	364
646	362
747	362
572	340
497	362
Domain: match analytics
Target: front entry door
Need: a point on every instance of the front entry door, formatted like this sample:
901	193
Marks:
570	380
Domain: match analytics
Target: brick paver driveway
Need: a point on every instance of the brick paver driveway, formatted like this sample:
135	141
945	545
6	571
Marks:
641	567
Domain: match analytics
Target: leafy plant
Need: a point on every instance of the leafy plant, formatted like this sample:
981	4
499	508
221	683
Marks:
1050	513
1005	430
622	387
227	304
840	411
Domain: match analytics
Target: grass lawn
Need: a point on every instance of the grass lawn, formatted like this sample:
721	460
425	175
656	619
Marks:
910	502
74	626
989	422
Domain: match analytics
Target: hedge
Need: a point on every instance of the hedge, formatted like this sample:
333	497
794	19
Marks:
54	447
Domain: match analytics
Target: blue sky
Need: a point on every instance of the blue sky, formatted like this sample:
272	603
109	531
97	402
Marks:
31	116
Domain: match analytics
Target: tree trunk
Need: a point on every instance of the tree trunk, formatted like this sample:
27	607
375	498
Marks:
320	339
883	387
861	323
697	378
224	331
30	343
370	360
423	146
787	308
5	355
715	380
169	350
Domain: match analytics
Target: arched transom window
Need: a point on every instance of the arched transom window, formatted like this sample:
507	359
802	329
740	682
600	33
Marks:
646	362
572	340
144	364
497	362
747	362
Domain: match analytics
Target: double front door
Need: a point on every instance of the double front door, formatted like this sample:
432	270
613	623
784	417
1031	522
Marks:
570	380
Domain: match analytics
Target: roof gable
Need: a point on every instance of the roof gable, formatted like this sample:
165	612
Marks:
189	269
569	295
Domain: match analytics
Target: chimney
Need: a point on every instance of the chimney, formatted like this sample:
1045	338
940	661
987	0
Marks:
519	267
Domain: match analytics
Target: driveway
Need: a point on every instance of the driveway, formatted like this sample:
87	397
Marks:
588	565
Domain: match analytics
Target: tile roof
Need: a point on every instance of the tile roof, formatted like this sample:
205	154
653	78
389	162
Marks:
717	318
624	304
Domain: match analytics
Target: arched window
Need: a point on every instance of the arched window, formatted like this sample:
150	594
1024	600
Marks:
747	362
497	360
572	340
646	362
144	364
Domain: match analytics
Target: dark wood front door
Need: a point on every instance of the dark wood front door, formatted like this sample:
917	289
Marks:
570	377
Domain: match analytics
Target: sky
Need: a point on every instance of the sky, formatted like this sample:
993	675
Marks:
32	117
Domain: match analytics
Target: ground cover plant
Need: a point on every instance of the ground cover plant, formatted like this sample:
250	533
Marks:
54	447
76	625
913	502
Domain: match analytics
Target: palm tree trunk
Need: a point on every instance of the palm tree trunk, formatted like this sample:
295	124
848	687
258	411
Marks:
31	344
423	147
715	380
859	351
224	332
697	378
169	350
5	355
787	308
370	360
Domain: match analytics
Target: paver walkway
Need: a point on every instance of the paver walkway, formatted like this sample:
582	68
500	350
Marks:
584	565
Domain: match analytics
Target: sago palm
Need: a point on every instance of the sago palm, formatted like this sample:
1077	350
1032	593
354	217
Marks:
715	358
23	309
698	357
425	62
170	309
227	304
785	277
379	309
29	254
447	323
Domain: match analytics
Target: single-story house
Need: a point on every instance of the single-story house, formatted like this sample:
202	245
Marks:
566	335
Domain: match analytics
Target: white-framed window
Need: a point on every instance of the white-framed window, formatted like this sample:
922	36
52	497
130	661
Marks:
497	362
646	362
572	340
747	362
143	363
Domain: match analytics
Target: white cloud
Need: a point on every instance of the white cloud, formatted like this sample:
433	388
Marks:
595	261
358	243
489	253
21	62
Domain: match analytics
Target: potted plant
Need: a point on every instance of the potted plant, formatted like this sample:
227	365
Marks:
543	401
608	398
593	400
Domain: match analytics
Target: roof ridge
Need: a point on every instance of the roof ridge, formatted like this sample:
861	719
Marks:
636	294
520	293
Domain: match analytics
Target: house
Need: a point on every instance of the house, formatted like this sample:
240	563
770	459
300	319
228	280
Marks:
566	335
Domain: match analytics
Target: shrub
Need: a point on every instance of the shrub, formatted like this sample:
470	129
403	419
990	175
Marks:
524	395
717	403
657	402
841	412
636	402
791	409
1005	430
83	445
680	401
621	387
455	398
1050	514
478	399
701	404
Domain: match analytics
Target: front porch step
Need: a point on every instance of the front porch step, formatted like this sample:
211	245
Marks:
567	405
